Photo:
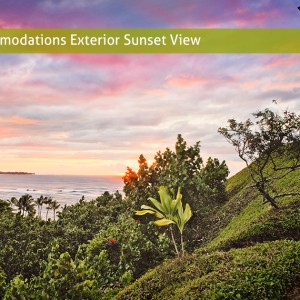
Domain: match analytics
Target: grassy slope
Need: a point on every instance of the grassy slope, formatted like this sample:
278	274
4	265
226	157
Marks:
264	271
244	220
218	270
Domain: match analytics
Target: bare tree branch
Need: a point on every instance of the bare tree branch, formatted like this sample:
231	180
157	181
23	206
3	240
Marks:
286	195
262	144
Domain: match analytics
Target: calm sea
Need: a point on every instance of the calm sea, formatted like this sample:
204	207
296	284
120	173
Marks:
65	189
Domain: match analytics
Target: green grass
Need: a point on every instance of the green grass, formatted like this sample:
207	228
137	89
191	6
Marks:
246	217
264	271
251	252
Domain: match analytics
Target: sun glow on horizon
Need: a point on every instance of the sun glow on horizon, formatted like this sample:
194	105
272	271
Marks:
88	167
94	114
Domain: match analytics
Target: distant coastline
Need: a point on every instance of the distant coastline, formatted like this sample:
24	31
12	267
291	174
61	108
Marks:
16	173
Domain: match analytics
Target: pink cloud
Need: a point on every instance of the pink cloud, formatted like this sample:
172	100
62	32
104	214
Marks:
15	120
7	132
250	85
96	59
281	85
158	11
34	93
58	154
5	25
158	92
280	61
112	89
246	18
15	127
186	81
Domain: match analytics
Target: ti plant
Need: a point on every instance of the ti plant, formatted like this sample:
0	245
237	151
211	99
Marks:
168	211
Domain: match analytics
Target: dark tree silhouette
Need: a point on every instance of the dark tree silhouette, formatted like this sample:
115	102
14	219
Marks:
261	143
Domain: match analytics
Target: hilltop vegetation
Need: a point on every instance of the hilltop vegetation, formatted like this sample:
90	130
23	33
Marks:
94	249
242	238
97	248
244	219
267	271
251	249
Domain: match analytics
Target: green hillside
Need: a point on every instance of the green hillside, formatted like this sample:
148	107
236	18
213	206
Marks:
244	220
252	251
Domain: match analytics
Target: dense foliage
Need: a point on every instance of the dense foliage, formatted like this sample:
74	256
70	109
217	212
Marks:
224	268
93	248
244	220
101	250
201	185
112	259
182	168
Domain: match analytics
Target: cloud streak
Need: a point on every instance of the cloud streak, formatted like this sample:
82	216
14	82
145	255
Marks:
94	114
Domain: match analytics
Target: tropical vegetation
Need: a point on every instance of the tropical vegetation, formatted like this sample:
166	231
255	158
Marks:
168	211
121	246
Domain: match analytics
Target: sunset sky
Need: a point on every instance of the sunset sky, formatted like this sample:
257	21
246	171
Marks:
95	114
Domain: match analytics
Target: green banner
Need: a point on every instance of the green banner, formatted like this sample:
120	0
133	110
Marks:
162	40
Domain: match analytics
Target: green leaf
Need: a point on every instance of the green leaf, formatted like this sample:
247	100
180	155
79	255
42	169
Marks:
165	199
180	227
156	203
157	213
169	211
175	219
187	213
184	217
178	202
148	207
163	222
180	210
144	212
179	195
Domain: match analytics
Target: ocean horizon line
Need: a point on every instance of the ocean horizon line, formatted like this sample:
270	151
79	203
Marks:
39	174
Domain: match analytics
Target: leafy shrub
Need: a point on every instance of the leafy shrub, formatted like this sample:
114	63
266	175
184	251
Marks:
140	246
111	260
2	283
23	243
202	185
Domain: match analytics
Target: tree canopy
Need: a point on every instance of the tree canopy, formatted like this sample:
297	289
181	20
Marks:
261	142
201	184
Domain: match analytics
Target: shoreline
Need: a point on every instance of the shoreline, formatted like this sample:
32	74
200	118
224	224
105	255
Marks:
16	173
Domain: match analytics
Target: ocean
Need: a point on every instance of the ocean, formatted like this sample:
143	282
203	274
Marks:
66	189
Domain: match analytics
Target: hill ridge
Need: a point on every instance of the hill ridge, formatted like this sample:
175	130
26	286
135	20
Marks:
243	228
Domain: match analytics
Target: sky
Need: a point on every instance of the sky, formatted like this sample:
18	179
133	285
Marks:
95	114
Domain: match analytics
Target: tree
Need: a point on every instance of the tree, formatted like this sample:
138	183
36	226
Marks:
138	186
182	168
14	201
261	143
28	204
212	180
40	202
168	211
5	206
49	203
52	204
55	205
201	184
24	204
